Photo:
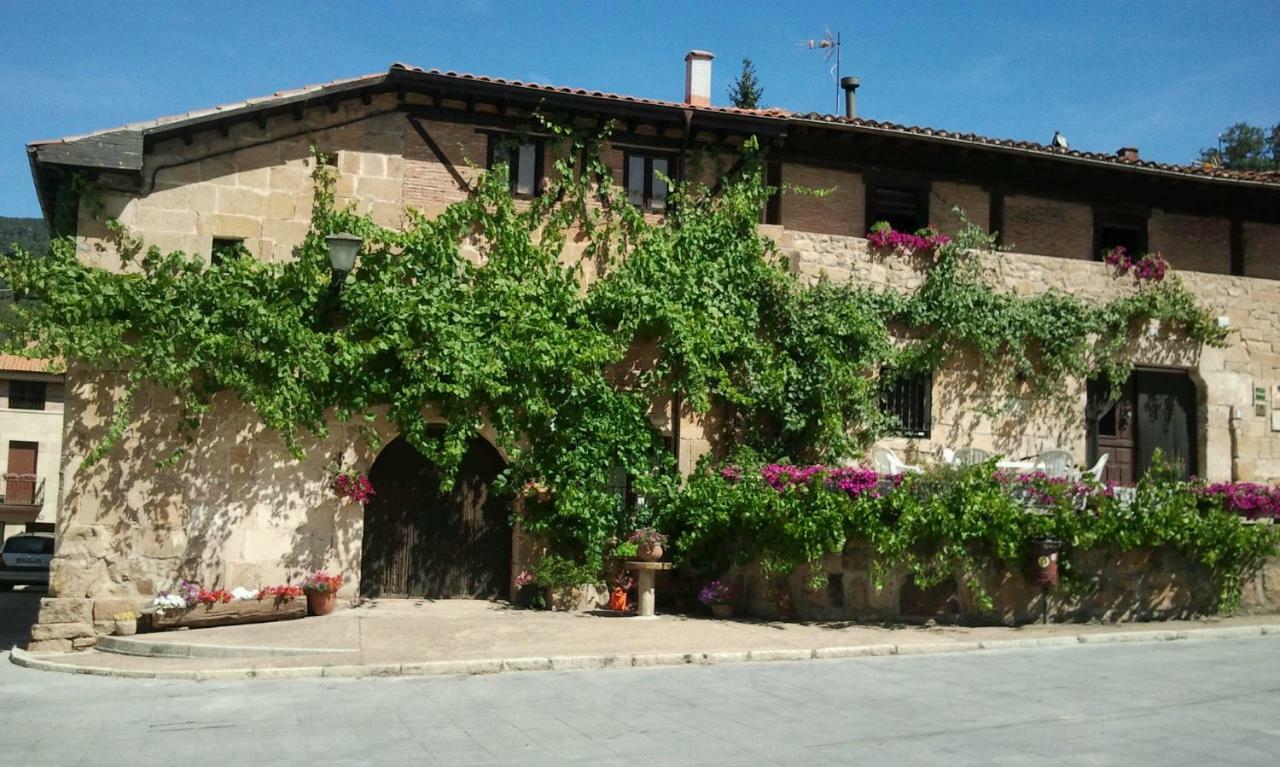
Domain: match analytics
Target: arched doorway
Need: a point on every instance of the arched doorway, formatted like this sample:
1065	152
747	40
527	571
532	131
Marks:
421	542
1156	410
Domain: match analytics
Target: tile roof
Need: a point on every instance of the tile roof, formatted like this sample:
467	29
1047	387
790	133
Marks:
175	122
11	363
1272	177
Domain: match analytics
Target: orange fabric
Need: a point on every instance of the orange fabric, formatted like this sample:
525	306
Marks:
618	599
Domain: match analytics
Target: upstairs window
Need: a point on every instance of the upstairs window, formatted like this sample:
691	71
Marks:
905	208
523	161
909	400
1112	230
646	179
27	395
225	249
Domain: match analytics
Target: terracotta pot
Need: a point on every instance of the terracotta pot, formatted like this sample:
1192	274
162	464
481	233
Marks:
649	552
723	611
320	603
126	628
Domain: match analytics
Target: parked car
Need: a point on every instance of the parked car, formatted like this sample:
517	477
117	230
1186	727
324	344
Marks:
25	560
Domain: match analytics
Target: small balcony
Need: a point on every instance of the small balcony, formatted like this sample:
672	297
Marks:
21	497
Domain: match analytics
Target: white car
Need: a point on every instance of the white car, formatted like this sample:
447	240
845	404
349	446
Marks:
25	560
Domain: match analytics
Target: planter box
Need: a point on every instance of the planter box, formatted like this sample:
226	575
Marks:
231	613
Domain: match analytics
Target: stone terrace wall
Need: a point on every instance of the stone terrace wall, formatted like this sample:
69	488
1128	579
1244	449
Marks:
1225	377
1140	584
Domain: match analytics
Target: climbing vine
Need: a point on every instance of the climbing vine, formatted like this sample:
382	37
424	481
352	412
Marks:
478	316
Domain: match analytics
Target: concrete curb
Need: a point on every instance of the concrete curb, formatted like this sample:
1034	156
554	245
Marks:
25	659
151	649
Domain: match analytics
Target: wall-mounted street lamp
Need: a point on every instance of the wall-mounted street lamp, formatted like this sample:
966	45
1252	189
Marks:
343	248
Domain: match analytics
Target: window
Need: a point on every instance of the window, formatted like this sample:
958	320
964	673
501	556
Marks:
909	399
226	248
1112	229
29	544
645	176
27	395
523	161
905	208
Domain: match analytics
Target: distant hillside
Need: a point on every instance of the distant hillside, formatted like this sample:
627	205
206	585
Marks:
30	233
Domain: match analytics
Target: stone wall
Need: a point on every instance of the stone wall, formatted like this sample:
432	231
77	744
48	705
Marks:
1023	426
1139	584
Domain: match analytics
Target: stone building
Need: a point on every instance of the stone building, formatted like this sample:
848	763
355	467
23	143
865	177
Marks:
240	174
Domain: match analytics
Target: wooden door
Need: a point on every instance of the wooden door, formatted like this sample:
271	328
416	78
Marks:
1156	410
421	542
1113	432
1165	414
20	479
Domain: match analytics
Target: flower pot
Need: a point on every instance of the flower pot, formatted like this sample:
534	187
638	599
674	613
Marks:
649	552
321	603
723	611
127	628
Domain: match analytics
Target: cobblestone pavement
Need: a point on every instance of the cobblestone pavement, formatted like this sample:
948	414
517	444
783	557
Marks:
1192	703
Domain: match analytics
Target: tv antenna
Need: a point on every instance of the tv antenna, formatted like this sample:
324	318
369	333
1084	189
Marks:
831	44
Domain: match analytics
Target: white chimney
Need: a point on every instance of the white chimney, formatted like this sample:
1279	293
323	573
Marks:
697	78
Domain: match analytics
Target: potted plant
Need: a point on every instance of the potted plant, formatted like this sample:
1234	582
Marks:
126	623
529	594
562	580
322	592
649	543
719	596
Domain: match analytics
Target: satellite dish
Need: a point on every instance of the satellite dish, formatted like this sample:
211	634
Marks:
1059	141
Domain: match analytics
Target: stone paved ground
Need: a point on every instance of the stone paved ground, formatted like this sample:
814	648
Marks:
1177	703
405	631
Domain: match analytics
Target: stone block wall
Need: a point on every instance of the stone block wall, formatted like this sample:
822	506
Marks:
1225	377
1135	585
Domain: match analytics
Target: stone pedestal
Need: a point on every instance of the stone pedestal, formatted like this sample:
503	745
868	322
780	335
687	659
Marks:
644	585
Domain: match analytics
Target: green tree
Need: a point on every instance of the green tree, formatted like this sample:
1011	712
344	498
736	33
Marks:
746	91
1245	147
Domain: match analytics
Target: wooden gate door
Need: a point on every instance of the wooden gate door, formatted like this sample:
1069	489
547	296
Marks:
1165	411
1114	432
421	542
20	479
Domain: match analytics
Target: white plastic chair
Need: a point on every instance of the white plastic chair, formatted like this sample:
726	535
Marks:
971	456
1095	472
1057	463
887	462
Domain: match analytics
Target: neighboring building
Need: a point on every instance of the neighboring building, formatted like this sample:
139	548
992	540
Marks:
248	514
30	445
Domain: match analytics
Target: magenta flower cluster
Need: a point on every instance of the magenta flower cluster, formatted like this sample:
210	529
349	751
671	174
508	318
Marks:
883	236
717	592
853	481
1249	500
351	485
1150	267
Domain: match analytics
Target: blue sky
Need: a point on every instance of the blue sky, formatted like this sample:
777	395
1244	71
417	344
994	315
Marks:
1165	76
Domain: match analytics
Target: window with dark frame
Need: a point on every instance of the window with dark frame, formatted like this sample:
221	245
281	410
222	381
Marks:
226	248
909	399
906	208
524	163
1111	230
28	395
645	177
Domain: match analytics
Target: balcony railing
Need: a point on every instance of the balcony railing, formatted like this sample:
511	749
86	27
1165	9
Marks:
22	490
